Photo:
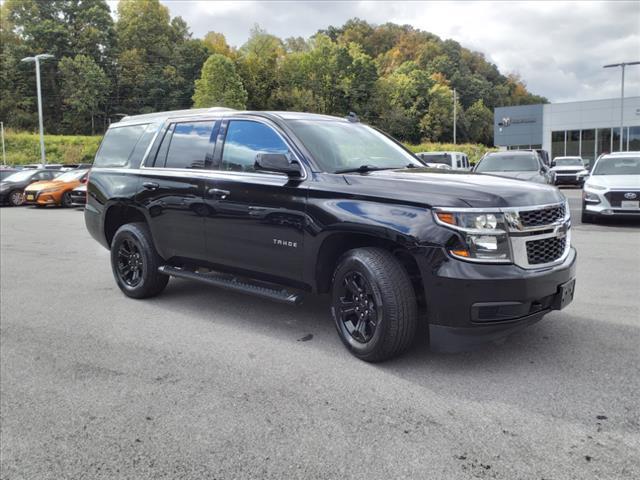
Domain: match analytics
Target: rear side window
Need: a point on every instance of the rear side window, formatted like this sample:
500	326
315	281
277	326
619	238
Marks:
187	145
244	140
117	146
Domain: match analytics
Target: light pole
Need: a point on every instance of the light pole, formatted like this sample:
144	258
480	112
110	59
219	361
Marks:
455	116
623	65
36	59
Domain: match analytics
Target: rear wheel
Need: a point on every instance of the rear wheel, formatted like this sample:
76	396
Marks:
135	262
66	199
16	198
373	304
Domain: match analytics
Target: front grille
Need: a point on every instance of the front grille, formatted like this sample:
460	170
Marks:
569	172
546	250
543	216
615	198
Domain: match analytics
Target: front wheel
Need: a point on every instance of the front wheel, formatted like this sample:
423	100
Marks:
66	199
16	198
373	304
135	262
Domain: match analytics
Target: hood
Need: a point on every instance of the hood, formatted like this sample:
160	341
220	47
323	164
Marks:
526	175
42	184
615	181
449	188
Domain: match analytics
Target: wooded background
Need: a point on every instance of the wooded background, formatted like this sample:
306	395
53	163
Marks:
395	77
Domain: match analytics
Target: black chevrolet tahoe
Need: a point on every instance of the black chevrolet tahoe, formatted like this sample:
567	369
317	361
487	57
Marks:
278	204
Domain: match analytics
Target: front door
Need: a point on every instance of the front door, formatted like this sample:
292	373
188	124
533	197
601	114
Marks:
172	189
256	220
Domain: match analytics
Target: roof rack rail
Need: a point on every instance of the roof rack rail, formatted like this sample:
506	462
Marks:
352	117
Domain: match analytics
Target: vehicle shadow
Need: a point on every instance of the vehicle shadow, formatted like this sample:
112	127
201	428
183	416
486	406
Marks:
553	358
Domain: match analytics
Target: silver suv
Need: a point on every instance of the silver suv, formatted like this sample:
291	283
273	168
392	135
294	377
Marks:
613	187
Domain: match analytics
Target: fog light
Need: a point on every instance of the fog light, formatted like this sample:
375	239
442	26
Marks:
485	242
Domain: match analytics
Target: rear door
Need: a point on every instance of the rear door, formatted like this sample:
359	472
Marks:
256	220
172	187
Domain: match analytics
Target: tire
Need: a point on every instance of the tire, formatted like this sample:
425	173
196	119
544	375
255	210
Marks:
16	198
133	243
385	295
66	200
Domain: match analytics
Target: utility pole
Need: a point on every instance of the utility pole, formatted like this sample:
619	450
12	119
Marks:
623	65
4	155
36	59
455	114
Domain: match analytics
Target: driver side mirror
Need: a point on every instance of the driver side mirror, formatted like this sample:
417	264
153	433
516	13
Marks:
553	163
279	163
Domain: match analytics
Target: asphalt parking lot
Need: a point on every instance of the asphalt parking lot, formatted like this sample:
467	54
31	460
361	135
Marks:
202	383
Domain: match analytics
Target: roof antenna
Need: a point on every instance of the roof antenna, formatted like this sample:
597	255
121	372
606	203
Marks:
352	117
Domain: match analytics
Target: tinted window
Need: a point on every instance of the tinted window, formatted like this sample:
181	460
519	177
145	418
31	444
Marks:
244	140
141	147
191	145
117	145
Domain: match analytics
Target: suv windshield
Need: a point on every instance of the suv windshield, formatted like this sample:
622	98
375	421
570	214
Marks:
340	145
617	166
21	176
569	162
508	163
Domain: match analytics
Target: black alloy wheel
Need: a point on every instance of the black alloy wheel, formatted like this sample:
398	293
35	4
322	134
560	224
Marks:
130	266
358	310
135	262
373	304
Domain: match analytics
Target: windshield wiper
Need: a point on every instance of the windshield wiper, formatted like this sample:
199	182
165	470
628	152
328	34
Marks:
364	169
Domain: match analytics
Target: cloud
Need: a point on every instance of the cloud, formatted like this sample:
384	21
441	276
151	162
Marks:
558	48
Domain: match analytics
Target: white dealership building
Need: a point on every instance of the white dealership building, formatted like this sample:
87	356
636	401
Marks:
586	128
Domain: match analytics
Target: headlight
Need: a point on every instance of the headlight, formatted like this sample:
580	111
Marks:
590	197
484	235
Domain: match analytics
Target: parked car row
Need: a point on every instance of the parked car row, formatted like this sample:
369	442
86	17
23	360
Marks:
44	186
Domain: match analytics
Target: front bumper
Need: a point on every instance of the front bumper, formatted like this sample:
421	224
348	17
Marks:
568	179
606	208
472	304
34	197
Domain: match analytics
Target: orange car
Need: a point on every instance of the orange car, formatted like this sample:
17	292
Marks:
56	191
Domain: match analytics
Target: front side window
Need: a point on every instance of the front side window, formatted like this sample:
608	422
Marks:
117	145
508	163
244	140
190	146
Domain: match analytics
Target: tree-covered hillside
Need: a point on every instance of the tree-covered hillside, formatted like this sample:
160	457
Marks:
398	78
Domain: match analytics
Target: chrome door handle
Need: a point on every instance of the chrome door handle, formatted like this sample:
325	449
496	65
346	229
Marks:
217	193
150	185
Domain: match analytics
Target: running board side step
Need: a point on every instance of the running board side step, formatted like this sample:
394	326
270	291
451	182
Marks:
231	282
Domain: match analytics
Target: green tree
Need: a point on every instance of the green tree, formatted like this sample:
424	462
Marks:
219	85
480	123
437	124
217	43
85	88
257	64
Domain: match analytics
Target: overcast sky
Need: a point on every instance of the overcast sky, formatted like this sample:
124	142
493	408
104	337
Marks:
558	48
